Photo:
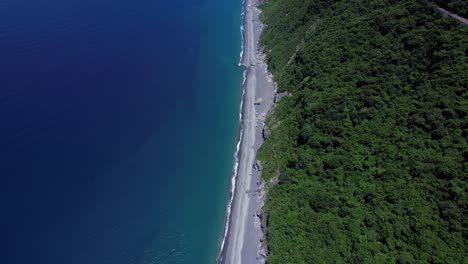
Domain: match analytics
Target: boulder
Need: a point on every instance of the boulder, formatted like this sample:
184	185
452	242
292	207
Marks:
260	214
257	166
266	132
278	96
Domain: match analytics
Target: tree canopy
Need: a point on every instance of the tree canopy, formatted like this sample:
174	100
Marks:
370	148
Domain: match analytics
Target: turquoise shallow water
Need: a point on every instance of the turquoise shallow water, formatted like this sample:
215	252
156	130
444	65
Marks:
118	129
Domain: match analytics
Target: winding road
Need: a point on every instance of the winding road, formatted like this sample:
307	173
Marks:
452	15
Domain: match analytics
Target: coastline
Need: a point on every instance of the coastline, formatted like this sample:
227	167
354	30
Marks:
242	240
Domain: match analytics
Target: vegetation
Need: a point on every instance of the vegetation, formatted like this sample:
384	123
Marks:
369	150
458	6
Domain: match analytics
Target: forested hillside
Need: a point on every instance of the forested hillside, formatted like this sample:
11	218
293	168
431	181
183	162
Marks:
367	155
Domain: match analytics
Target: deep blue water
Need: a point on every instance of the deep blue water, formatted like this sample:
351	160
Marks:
117	129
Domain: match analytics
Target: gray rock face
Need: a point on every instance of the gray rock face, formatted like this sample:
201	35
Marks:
257	166
278	96
260	214
266	132
273	181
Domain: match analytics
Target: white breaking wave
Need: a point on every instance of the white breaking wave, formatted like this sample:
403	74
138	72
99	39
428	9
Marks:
241	57
241	134
242	45
235	167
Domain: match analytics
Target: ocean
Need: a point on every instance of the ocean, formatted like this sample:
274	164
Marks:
118	126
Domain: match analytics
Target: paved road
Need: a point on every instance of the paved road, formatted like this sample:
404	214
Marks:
453	15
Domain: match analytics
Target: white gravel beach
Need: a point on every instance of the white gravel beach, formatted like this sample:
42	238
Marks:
243	243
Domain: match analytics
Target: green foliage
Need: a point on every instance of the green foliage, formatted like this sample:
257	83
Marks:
370	150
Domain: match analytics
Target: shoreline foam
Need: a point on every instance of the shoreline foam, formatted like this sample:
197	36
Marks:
233	177
242	233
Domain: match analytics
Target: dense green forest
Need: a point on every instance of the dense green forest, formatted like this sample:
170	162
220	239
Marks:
458	6
366	160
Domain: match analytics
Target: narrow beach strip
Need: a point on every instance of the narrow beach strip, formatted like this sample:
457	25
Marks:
242	236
